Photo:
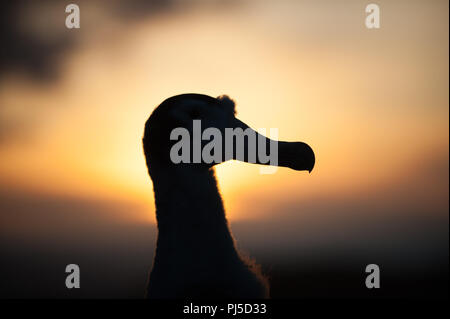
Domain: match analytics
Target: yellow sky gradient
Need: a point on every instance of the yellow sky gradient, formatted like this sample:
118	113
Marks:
373	104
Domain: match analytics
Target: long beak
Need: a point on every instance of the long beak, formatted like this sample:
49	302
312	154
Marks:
296	155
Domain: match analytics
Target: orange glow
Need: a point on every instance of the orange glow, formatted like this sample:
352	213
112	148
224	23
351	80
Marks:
370	106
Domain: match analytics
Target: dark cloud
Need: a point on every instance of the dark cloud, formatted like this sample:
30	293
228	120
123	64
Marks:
20	50
35	49
39	56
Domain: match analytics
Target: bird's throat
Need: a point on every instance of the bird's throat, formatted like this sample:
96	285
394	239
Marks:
190	214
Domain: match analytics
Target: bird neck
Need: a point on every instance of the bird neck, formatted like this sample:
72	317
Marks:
190	213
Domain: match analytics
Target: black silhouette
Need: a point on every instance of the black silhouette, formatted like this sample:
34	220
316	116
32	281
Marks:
196	254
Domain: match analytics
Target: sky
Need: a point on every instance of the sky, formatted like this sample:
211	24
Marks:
372	103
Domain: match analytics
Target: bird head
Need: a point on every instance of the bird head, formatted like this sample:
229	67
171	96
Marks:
199	131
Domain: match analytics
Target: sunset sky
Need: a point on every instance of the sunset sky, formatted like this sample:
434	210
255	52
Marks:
373	104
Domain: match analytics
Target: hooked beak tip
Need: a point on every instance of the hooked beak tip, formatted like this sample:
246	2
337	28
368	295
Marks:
296	155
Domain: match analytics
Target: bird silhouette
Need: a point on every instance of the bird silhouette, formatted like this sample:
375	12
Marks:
196	256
